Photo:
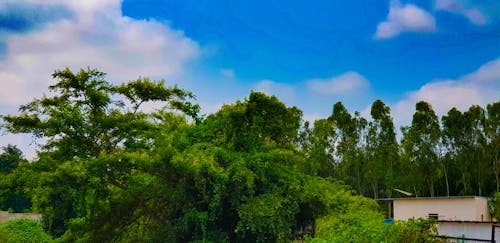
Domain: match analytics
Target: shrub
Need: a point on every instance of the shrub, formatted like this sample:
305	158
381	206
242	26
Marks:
23	230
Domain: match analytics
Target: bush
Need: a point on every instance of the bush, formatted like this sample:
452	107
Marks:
494	206
361	222
23	230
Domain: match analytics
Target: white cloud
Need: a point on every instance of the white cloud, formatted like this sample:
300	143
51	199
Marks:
346	83
97	36
284	92
228	73
472	14
405	18
480	87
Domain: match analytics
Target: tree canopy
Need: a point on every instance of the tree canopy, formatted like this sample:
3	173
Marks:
254	171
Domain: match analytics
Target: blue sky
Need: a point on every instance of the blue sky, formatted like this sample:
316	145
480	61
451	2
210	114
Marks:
309	54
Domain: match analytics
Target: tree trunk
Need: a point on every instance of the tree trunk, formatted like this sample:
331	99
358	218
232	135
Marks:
495	169
375	194
431	187
446	180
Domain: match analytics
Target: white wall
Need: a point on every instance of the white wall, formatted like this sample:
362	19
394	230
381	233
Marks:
456	209
470	230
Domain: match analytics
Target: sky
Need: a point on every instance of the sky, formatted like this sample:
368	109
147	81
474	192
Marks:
308	54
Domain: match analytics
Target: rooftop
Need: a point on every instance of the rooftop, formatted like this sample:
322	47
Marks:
438	197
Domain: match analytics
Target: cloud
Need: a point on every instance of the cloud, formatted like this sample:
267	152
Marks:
101	37
284	92
472	14
346	83
96	35
405	18
228	73
480	87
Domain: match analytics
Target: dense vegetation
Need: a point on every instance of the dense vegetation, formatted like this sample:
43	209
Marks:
251	172
459	156
23	230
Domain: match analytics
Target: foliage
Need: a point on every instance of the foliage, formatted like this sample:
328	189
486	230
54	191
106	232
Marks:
10	159
420	144
23	230
12	196
81	121
251	172
494	206
364	225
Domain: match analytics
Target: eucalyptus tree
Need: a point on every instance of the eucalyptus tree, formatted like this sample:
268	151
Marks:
319	148
348	143
382	150
492	131
420	144
453	136
476	144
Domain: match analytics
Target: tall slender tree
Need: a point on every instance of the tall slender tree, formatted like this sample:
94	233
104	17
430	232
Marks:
382	149
420	143
492	131
349	152
475	152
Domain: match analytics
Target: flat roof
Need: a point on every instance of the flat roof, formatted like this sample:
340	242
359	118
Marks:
438	197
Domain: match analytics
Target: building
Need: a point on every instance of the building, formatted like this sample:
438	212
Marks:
464	217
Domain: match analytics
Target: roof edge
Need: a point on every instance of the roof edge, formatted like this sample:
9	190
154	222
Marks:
438	197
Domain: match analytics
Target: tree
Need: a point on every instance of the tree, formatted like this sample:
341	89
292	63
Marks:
12	197
81	122
420	144
492	130
10	159
475	152
382	149
349	153
256	122
464	135
319	148
454	135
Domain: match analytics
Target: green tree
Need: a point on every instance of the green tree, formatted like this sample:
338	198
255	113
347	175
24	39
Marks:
256	122
492	131
319	147
464	135
382	150
420	144
349	152
81	122
454	135
12	197
10	158
475	153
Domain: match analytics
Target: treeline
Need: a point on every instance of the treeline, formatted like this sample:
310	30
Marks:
455	155
251	172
